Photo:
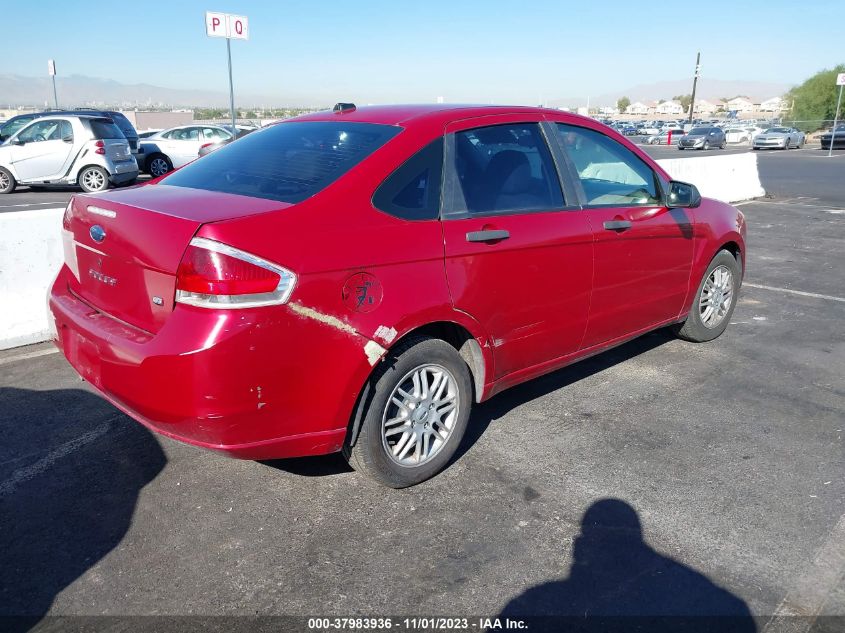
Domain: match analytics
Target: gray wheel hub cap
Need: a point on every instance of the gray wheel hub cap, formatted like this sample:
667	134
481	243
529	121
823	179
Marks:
716	297
420	415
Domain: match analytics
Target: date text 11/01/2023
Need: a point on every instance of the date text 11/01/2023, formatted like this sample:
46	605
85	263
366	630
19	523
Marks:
416	624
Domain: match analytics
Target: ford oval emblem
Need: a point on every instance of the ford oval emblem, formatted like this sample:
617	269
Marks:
97	232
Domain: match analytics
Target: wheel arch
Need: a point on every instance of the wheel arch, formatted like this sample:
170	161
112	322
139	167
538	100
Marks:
459	336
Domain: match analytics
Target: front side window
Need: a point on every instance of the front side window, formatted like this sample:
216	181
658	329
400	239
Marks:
65	131
610	173
503	168
41	131
288	162
412	191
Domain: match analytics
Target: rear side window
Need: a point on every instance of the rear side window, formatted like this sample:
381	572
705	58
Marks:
288	162
503	168
105	129
412	191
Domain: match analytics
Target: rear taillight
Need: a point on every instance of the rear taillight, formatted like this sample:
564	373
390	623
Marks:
204	145
101	147
214	275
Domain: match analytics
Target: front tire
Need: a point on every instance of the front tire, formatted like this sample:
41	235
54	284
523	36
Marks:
706	145
7	181
416	416
93	179
714	302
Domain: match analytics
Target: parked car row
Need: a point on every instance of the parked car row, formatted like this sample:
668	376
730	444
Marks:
96	149
88	150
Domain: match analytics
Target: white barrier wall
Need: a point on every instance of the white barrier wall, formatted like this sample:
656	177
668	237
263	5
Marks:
30	256
31	244
729	178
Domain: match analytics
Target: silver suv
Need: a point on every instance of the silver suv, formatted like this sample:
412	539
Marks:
89	151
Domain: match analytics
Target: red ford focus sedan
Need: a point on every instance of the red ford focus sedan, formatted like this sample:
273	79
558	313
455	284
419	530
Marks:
356	280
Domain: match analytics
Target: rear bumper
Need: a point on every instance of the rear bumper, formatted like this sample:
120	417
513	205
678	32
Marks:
249	383
124	177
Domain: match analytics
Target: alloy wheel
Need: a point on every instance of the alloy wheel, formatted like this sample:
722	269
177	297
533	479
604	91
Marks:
420	415
94	180
158	167
716	297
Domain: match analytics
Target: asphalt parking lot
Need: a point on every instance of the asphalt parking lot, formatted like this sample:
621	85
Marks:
727	455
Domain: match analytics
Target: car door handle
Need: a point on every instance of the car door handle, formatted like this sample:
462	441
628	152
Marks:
487	236
617	225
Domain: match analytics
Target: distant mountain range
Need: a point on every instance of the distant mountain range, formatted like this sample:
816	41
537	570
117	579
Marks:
710	89
79	90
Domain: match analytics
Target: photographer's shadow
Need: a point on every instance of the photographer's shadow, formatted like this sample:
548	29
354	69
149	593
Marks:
71	471
618	583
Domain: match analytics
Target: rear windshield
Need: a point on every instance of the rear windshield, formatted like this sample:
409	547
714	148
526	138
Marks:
105	128
288	162
123	123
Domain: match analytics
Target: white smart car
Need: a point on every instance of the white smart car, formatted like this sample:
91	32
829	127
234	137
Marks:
89	151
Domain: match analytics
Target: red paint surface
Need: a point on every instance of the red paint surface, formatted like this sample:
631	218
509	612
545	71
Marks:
280	381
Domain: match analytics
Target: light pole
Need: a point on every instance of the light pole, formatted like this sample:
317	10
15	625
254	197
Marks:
840	79
694	85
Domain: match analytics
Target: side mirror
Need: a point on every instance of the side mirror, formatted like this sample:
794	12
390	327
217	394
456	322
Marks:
683	195
17	141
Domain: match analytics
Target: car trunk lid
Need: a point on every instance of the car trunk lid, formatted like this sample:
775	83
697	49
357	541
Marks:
124	247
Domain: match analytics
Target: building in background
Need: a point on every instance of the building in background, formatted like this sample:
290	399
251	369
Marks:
669	107
775	104
142	120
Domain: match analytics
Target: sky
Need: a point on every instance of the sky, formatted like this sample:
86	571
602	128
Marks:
393	50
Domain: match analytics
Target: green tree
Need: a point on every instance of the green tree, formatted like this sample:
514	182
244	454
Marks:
623	103
684	100
249	114
814	101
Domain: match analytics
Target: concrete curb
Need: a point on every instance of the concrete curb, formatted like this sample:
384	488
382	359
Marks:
729	178
30	257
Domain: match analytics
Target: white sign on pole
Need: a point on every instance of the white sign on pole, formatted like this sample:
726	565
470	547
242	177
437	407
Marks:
226	25
51	67
238	27
840	79
215	24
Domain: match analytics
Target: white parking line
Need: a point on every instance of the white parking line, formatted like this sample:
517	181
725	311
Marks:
33	470
31	204
813	588
41	352
801	293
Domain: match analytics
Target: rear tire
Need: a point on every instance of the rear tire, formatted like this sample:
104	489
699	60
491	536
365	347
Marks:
93	179
158	165
432	383
7	181
714	301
